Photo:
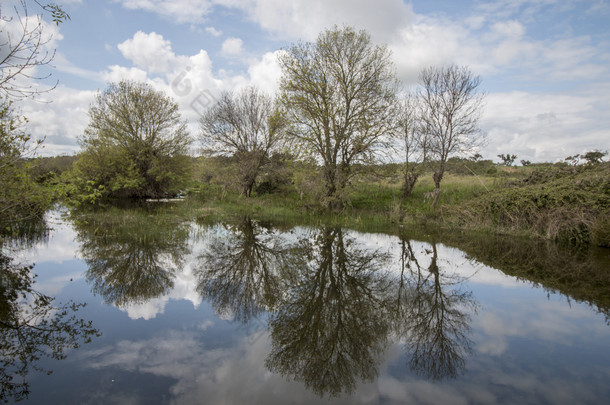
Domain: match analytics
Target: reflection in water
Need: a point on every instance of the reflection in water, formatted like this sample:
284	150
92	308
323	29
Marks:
132	256
433	316
333	324
32	327
333	304
580	274
242	271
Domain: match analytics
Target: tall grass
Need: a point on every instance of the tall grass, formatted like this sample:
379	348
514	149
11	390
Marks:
562	203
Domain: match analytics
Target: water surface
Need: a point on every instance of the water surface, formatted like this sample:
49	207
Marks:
252	312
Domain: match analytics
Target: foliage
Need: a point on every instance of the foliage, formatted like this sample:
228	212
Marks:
134	147
21	198
278	174
595	156
58	14
339	94
568	203
49	169
468	167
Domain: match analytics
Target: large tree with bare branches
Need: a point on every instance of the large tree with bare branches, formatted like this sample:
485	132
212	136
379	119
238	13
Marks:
451	106
340	94
245	125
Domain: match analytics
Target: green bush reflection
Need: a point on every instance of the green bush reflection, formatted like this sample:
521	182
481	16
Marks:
132	255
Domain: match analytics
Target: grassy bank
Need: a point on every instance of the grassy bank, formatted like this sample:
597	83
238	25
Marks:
564	203
553	202
544	201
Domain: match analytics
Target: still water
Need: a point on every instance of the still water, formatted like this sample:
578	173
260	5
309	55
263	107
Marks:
244	311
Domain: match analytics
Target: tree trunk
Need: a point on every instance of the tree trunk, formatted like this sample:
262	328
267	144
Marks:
438	176
410	178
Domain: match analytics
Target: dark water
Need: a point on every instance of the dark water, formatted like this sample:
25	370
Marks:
250	312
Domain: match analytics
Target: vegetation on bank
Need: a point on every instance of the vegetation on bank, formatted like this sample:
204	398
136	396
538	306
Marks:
547	201
559	202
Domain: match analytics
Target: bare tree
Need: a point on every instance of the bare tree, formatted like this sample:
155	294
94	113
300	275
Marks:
414	145
24	48
451	108
340	96
246	125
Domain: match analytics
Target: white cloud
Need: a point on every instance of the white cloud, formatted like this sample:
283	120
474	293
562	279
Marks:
117	73
61	121
293	19
213	31
510	29
429	42
545	127
148	51
266	72
304	19
232	47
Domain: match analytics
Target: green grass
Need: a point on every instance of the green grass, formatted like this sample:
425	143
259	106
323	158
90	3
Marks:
543	201
563	203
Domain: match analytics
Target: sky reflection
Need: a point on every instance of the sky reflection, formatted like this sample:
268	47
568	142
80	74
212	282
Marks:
515	342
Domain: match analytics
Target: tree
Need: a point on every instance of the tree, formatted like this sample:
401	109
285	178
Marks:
476	157
525	162
245	125
414	144
451	107
135	145
340	96
22	52
508	159
594	156
23	48
21	199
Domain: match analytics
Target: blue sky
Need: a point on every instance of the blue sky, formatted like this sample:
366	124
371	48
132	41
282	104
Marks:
544	64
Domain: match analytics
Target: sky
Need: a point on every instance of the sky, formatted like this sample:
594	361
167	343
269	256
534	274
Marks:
544	64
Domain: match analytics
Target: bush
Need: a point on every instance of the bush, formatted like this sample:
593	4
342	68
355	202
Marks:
566	203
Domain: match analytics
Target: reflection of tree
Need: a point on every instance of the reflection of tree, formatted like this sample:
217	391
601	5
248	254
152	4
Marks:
131	256
333	325
32	327
241	271
433	316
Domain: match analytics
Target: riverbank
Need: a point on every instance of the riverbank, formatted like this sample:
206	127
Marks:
553	202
